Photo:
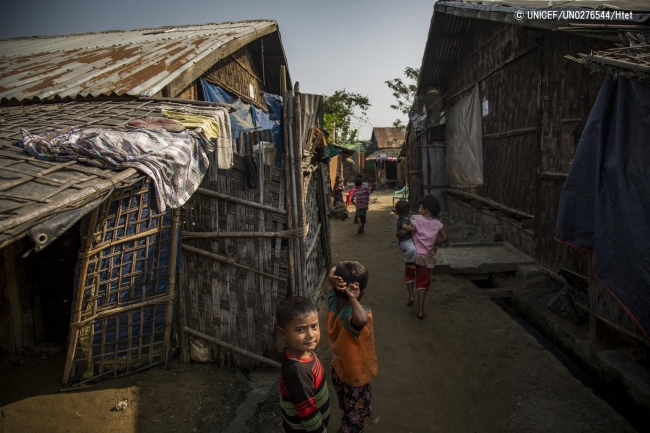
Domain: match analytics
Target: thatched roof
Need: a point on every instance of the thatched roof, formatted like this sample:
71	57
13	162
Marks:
33	191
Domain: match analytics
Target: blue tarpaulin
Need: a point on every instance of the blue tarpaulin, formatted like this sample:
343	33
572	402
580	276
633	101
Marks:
605	203
248	117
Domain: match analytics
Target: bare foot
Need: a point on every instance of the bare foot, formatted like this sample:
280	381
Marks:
421	315
411	302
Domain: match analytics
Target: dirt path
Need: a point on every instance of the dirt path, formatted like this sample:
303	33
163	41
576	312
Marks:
467	367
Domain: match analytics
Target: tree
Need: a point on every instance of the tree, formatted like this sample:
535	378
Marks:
340	108
404	93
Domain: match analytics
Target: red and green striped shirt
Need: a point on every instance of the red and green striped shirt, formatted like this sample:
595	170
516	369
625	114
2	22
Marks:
304	399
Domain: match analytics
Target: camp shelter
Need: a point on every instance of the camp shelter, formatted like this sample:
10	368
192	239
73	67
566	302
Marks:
499	113
118	263
384	161
351	160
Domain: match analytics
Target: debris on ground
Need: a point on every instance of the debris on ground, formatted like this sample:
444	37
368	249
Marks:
120	406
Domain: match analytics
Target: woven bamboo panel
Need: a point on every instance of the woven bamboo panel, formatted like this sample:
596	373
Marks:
127	264
316	261
227	302
237	72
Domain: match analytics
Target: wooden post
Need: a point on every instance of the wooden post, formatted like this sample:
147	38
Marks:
294	193
13	294
76	314
171	284
297	142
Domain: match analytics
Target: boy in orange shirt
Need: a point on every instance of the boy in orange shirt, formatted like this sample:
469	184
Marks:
351	337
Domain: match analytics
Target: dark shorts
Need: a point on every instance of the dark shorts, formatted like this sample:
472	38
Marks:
421	275
361	213
354	401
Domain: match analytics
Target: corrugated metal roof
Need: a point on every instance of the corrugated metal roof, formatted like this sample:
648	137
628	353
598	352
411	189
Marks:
136	62
452	19
388	137
627	5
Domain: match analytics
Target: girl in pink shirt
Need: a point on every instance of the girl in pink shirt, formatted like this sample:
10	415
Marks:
427	234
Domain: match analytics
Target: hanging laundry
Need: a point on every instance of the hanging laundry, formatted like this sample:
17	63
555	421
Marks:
175	161
208	125
152	122
218	118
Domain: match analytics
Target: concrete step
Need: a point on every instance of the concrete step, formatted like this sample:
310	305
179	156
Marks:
480	258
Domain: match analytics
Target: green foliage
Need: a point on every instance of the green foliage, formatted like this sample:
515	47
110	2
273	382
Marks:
341	108
404	93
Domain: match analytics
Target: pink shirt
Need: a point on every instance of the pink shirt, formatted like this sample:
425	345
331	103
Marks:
426	234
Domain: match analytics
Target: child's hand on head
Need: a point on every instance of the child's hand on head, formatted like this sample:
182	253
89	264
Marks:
337	282
352	290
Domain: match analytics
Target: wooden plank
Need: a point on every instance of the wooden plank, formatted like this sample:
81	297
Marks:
513	133
233	348
238	200
227	260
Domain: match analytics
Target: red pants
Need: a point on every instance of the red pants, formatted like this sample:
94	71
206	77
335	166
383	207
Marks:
421	275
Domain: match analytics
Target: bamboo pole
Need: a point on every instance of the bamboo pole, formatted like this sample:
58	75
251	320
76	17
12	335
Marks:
226	260
117	310
489	202
295	203
288	190
238	200
285	234
76	314
302	218
233	348
171	283
294	195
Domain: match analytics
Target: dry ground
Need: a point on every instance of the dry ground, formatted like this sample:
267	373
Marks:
467	367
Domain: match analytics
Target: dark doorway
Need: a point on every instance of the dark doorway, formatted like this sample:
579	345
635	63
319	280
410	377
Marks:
50	276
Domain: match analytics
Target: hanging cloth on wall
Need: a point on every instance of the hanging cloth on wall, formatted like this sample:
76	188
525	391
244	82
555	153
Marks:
208	125
250	171
224	138
464	137
605	205
247	117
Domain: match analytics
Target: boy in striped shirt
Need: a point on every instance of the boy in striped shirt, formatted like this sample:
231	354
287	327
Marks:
304	399
360	198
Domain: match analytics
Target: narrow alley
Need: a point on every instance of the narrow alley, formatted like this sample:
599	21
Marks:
467	367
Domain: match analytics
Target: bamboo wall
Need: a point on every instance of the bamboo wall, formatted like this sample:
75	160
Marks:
227	302
123	303
317	263
535	99
237	72
568	91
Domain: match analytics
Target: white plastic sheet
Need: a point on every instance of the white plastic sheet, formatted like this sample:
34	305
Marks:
464	138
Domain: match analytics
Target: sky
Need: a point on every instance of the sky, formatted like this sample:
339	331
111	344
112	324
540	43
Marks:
355	45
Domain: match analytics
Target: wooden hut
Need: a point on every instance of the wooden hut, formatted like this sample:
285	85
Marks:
118	265
383	162
529	102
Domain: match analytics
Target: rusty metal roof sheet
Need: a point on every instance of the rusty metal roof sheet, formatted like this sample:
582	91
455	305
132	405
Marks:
452	19
135	62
